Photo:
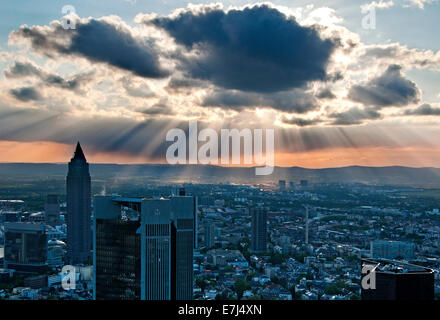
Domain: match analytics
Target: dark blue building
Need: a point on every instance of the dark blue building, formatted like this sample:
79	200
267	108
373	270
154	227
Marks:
79	233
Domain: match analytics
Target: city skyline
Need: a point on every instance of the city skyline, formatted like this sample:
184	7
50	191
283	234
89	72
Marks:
295	241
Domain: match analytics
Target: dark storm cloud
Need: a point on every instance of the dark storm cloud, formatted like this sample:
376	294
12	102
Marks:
424	110
98	41
232	100
158	109
180	83
354	115
252	49
22	69
300	122
25	94
57	81
26	69
49	41
389	89
325	94
295	101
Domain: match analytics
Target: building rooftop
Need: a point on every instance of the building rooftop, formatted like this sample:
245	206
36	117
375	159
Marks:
24	226
397	267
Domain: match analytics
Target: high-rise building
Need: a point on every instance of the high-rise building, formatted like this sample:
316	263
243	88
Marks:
259	229
391	249
25	247
304	183
182	193
9	216
394	280
117	249
183	215
307	226
156	251
79	232
282	185
146	255
209	235
52	210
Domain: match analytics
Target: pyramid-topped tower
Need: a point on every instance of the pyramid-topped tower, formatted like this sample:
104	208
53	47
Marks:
79	154
79	209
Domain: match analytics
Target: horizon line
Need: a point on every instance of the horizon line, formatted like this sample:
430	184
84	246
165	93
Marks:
220	166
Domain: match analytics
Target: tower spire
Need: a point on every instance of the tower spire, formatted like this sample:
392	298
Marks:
79	154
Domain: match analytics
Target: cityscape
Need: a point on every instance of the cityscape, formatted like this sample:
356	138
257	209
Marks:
219	159
285	240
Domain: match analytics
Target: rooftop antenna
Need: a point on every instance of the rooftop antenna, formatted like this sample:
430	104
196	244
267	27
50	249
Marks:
307	224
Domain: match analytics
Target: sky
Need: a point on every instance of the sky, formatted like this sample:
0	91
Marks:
337	88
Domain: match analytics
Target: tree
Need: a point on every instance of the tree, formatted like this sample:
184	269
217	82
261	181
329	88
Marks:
332	290
292	291
240	286
202	284
250	276
355	296
221	296
277	258
335	288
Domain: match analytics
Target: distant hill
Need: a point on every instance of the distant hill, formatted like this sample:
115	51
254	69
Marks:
394	175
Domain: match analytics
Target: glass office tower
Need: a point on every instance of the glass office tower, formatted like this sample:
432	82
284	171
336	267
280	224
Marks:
151	250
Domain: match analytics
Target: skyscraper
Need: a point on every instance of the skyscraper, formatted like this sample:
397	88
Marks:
304	183
183	213
52	210
307	225
259	229
209	235
146	256
282	185
117	250
78	209
182	192
25	247
395	280
391	249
